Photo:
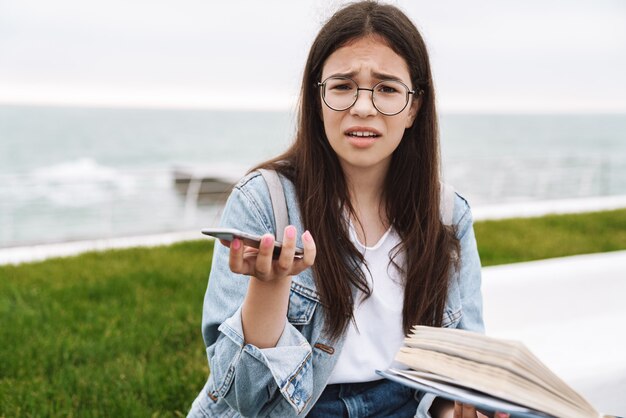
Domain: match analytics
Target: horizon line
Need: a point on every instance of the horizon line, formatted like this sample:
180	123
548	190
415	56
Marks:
157	105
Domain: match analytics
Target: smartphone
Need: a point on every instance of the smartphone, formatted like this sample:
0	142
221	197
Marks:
251	240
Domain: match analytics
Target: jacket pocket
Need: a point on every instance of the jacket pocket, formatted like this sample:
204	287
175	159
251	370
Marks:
451	317
453	311
302	304
220	377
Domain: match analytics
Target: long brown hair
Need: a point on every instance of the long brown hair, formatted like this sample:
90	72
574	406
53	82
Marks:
411	186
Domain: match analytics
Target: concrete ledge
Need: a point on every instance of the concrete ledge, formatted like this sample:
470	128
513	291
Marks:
548	207
17	255
570	313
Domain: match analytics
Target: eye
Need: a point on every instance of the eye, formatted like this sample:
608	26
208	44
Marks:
341	86
388	88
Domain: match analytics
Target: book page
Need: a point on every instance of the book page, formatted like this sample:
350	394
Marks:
504	369
510	355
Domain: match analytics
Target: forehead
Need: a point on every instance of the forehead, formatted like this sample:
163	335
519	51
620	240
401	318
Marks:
364	57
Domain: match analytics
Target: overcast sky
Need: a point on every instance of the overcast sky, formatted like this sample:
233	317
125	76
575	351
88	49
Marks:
487	55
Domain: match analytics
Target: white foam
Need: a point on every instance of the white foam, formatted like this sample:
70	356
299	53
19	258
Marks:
78	183
82	168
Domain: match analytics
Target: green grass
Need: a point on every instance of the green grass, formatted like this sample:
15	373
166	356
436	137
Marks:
516	240
113	334
117	333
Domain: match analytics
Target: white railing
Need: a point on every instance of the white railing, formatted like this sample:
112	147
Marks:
127	202
35	210
492	181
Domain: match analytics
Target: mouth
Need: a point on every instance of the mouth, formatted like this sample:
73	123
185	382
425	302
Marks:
365	133
362	138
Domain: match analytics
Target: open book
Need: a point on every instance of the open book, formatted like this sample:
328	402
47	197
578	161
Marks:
491	373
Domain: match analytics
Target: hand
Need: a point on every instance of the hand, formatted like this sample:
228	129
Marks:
258	263
460	410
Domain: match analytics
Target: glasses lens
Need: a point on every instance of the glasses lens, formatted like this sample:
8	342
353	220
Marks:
339	93
390	97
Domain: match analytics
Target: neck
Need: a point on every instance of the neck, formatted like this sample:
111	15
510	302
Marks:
365	187
365	183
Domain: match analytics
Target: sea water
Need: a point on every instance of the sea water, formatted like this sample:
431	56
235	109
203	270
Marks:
78	173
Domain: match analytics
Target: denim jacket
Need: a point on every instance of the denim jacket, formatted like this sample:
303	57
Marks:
286	380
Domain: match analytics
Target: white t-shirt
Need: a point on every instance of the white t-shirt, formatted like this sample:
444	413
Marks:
378	318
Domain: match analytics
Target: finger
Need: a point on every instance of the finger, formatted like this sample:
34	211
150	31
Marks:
308	258
235	258
285	260
249	257
469	411
501	415
310	250
263	263
458	410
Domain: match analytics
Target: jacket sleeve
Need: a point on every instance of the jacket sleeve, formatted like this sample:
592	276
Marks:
468	283
470	274
244	376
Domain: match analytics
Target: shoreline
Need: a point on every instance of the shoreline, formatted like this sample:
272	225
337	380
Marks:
40	252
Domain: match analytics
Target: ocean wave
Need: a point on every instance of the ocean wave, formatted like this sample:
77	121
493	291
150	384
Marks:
84	168
78	183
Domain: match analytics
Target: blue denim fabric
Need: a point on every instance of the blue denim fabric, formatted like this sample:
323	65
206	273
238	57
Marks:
380	399
287	380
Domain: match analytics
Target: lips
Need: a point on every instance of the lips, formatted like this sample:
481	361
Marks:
362	137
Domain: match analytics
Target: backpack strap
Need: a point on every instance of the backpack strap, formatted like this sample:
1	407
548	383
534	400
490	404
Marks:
279	204
447	203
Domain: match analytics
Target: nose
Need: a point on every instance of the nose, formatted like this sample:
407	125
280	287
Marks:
364	106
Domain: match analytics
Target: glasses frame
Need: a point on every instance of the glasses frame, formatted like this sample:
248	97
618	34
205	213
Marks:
322	85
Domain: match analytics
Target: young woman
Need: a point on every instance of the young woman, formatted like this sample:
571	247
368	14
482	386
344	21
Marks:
303	337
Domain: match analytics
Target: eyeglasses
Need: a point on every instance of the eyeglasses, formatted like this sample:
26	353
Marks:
389	97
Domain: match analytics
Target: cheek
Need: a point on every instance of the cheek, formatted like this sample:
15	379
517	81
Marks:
397	128
331	121
403	123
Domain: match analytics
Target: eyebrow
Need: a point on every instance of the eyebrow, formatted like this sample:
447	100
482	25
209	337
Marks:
375	74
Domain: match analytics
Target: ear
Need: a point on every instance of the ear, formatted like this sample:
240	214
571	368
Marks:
413	110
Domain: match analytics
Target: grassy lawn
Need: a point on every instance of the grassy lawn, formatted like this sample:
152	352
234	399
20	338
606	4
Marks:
514	240
117	333
111	334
